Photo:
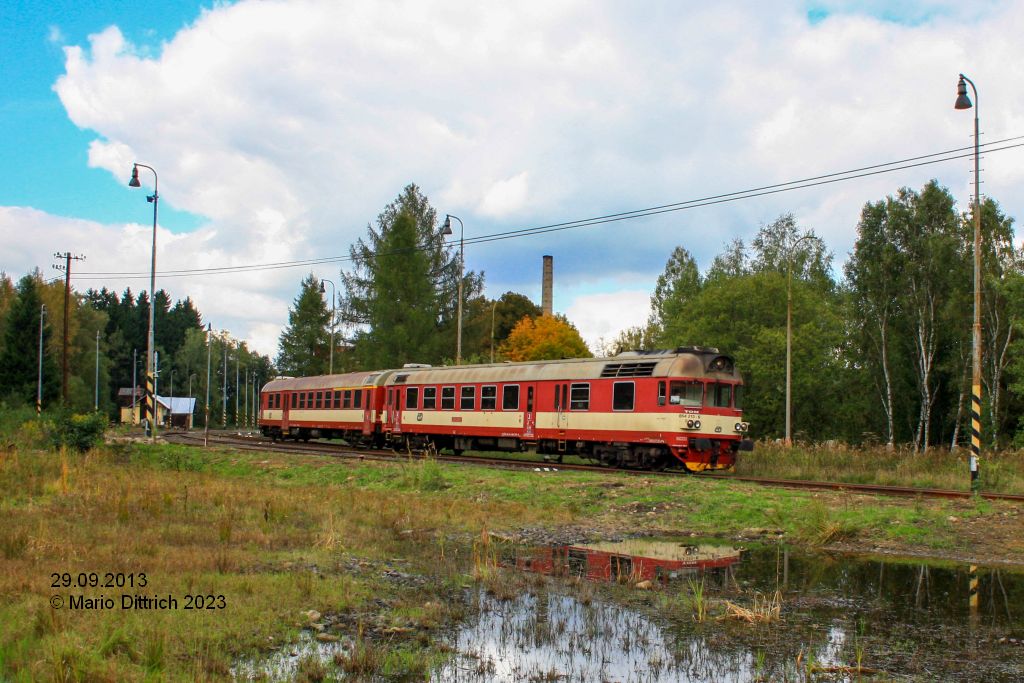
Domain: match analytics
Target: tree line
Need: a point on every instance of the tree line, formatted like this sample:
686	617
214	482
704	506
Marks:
882	354
107	341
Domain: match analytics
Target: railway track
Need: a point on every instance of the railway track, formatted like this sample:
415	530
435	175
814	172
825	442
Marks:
259	443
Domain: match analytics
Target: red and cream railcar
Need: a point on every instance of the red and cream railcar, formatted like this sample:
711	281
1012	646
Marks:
637	409
345	406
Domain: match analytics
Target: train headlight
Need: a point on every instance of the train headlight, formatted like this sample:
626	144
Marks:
738	426
689	424
696	424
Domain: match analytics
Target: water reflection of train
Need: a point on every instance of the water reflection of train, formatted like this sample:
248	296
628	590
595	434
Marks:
632	560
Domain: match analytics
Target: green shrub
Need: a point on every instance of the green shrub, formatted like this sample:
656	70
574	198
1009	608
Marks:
78	432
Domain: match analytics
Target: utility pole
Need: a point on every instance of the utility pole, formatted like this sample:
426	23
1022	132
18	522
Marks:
67	256
237	392
96	398
39	385
224	392
206	406
135	382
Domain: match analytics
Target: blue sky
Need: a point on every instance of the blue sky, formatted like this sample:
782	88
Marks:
281	128
46	161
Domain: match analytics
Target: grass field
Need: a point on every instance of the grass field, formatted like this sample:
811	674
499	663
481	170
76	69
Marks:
280	535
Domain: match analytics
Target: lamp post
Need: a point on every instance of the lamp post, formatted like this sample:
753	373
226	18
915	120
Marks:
964	102
494	308
447	230
334	311
154	199
39	384
789	336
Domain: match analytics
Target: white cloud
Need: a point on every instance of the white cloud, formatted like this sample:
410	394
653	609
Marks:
600	317
289	125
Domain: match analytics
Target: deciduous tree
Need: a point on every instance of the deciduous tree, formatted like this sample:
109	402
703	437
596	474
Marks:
546	337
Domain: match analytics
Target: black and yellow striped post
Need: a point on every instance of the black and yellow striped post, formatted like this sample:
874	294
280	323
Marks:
975	436
149	403
972	589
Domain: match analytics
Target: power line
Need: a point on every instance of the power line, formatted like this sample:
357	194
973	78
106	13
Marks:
803	183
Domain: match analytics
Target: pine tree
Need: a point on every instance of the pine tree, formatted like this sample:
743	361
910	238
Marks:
19	361
402	293
303	347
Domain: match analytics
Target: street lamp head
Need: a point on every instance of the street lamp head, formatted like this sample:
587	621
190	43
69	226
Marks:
962	100
322	288
134	182
446	229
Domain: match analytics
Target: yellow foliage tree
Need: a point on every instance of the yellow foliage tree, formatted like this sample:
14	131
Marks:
546	337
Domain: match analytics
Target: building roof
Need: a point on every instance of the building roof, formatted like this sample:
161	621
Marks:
178	405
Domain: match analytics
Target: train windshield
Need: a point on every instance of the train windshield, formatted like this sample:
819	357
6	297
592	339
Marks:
686	393
737	398
719	395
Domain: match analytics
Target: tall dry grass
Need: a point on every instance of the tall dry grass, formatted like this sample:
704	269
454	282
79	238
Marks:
271	547
1001	471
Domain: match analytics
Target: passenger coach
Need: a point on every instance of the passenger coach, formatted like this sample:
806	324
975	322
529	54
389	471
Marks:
637	409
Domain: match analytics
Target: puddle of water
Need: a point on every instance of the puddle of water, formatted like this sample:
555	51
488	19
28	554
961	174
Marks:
902	621
283	665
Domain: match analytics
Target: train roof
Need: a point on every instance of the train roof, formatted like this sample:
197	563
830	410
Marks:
696	362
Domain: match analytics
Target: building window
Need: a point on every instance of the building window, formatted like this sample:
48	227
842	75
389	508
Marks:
429	398
622	396
579	397
488	397
447	398
510	397
467	400
412	398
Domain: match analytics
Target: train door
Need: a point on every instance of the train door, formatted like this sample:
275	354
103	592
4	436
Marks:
285	405
562	408
529	411
368	396
397	400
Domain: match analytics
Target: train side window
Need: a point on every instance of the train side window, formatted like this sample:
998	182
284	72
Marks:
277	400
447	398
686	393
467	400
347	401
510	397
337	400
622	395
429	398
579	397
309	399
412	398
529	399
661	393
719	395
319	399
295	400
489	397
558	400
302	400
357	399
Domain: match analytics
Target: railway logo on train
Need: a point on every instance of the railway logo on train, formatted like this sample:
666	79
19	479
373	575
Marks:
639	409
